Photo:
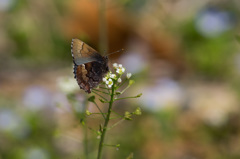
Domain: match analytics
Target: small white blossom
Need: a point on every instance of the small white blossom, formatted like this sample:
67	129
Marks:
113	76
119	80
120	70
115	65
109	83
128	75
104	79
108	75
120	66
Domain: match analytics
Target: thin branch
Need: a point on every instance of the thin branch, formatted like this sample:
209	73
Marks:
125	98
103	88
110	145
117	113
99	95
125	89
101	91
100	110
122	83
116	124
115	118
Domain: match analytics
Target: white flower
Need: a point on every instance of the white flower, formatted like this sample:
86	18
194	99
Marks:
104	79
120	66
109	83
113	76
115	65
120	70
108	75
128	75
119	80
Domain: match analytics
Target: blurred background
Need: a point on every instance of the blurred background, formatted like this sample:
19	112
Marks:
184	56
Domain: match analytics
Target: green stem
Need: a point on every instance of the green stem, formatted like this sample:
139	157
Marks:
98	113
122	83
116	124
117	114
99	95
101	91
100	110
109	145
115	118
125	98
85	131
125	89
103	88
105	124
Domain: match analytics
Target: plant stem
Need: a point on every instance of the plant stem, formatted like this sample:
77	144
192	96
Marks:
100	91
99	95
106	124
100	110
125	98
116	124
85	104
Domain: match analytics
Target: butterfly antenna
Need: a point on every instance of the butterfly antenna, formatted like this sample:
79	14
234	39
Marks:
115	52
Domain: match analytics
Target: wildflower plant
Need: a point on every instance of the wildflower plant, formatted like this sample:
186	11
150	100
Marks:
112	87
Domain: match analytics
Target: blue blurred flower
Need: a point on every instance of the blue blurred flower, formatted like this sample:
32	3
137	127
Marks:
36	98
5	4
12	123
212	22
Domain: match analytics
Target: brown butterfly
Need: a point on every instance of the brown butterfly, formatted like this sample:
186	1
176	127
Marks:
89	66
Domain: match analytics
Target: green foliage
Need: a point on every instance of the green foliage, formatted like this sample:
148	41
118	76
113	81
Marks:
209	57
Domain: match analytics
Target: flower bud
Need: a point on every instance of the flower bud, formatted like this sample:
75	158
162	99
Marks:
139	95
138	111
131	82
119	80
118	92
127	116
115	65
113	76
88	112
128	75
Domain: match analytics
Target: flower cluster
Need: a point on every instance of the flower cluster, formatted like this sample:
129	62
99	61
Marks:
108	79
111	78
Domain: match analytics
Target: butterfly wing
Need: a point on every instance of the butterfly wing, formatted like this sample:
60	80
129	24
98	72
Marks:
89	65
83	53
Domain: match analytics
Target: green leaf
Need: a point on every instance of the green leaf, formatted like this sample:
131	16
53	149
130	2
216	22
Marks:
103	101
91	99
139	95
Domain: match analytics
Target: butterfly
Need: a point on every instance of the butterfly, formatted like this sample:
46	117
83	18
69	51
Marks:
89	67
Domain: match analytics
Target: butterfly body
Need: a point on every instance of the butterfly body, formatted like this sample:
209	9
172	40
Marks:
89	66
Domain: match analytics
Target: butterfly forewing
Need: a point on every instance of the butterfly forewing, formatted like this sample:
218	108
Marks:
82	53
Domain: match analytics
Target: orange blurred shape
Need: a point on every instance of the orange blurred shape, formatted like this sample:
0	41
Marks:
83	23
